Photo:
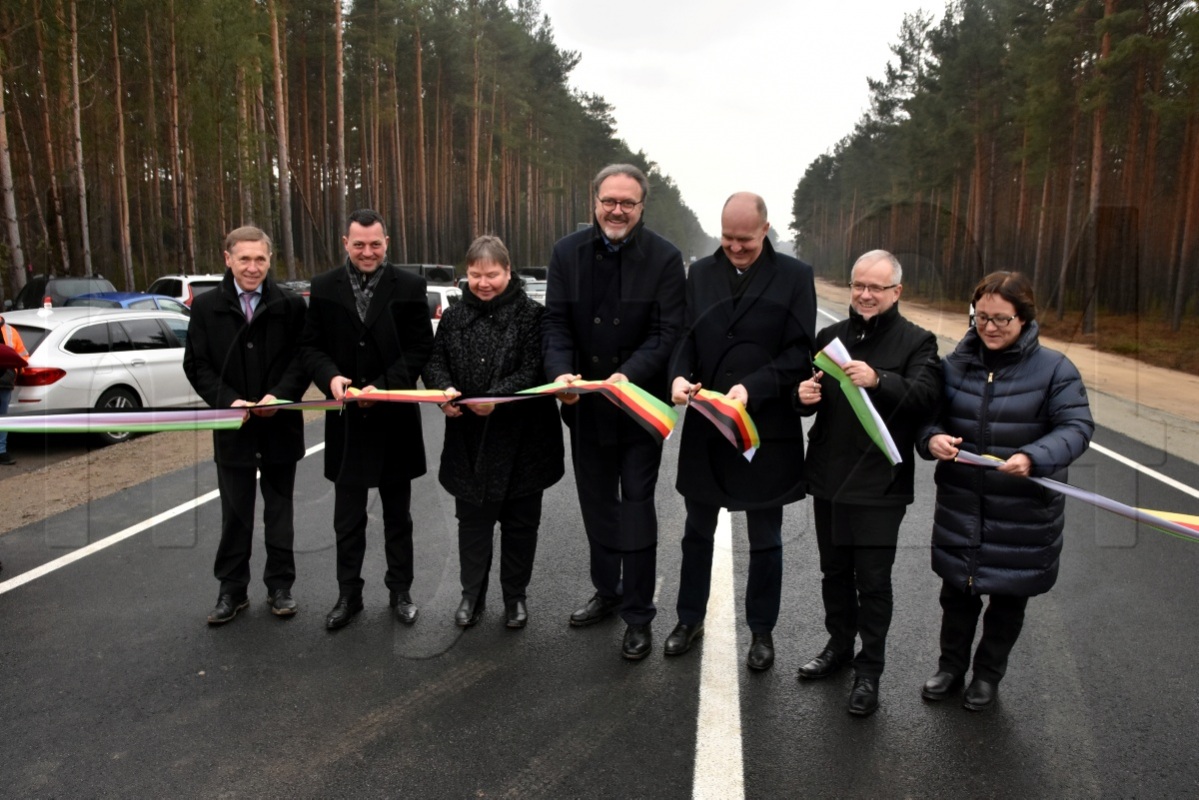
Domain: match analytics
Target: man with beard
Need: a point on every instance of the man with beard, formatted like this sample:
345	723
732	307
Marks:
751	320
368	328
614	304
859	498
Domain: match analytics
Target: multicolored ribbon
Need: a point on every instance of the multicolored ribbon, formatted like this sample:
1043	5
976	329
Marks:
831	359
147	421
1184	526
730	418
646	410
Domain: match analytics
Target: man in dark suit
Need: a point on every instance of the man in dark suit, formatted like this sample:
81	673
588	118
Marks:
241	350
750	323
368	328
613	312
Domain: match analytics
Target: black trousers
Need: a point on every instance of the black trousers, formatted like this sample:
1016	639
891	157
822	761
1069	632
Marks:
1002	623
616	484
856	582
519	519
238	486
765	584
349	523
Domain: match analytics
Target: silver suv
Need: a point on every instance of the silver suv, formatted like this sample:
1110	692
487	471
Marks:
185	288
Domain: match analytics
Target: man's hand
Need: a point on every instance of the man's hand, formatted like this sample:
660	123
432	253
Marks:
738	393
239	403
617	377
482	409
944	447
338	386
366	403
566	398
861	373
266	410
1019	465
809	390
682	390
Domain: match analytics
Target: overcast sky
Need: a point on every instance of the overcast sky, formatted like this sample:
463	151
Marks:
730	95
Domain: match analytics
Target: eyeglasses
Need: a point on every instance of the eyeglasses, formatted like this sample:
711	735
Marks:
625	205
1000	322
873	288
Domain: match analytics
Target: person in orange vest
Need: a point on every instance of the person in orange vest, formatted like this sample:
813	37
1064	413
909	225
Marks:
8	380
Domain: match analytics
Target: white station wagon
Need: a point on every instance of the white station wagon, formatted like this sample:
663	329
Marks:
85	358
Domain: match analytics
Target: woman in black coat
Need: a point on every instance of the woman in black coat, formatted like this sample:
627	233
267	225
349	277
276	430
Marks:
994	532
497	459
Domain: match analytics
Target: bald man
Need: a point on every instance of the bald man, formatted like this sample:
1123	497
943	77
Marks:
748	332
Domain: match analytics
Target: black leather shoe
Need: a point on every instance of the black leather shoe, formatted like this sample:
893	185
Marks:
227	606
468	614
941	685
825	664
281	603
405	609
682	637
516	614
638	641
980	695
597	608
863	699
343	611
761	652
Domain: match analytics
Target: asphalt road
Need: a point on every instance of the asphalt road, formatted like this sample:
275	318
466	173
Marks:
111	683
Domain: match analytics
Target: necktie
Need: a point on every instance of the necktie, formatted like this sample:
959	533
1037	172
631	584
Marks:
247	304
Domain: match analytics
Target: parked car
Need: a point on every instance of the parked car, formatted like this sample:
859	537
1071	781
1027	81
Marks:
101	358
536	273
184	288
302	288
59	289
441	298
434	274
535	290
139	301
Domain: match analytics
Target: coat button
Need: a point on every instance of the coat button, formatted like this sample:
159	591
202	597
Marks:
616	321
615	360
730	334
598	320
362	344
249	345
599	256
595	359
728	372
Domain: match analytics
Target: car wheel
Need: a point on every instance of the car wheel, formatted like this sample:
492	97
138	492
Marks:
118	398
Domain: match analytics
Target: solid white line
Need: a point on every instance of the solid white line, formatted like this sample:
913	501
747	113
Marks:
119	536
718	767
1141	468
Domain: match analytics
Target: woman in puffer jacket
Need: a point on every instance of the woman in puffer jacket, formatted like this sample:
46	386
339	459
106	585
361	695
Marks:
994	532
497	460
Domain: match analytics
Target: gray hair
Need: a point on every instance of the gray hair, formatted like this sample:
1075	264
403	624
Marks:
247	233
882	255
621	169
488	248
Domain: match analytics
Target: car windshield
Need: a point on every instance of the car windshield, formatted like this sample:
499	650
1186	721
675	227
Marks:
199	288
93	302
73	287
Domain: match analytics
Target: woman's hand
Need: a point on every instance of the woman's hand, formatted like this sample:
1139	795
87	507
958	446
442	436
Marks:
448	408
682	390
1019	465
944	447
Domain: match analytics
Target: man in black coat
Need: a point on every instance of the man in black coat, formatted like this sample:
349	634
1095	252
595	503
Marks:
614	306
368	328
241	350
859	498
751	319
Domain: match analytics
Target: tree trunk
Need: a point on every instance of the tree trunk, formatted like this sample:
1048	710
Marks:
177	199
123	237
152	138
77	135
16	270
422	176
60	228
1091	291
289	253
340	119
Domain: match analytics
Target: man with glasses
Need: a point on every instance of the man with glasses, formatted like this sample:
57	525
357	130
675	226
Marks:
750	322
368	328
859	498
614	306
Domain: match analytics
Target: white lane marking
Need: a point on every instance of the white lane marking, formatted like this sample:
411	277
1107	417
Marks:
832	317
119	536
1141	468
718	768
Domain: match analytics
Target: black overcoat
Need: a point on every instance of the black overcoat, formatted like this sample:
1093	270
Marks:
228	359
996	533
763	342
844	465
494	348
635	336
383	443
